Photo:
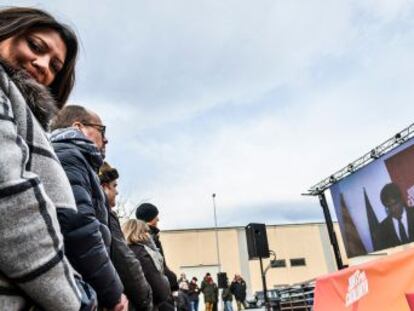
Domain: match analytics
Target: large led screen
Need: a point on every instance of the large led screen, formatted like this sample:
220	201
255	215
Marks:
375	205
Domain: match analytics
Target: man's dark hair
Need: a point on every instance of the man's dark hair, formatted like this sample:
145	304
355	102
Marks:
390	191
68	115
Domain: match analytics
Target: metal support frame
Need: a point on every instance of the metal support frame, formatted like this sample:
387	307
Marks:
375	153
367	158
331	231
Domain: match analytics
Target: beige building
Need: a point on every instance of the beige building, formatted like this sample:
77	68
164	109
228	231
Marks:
303	250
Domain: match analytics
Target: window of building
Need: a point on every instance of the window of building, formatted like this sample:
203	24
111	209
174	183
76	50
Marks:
278	263
296	262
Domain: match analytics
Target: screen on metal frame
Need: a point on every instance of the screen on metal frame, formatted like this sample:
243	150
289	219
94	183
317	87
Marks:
375	205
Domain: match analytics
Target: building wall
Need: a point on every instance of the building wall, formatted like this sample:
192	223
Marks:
192	248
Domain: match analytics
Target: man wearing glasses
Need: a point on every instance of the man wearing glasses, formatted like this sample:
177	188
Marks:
79	141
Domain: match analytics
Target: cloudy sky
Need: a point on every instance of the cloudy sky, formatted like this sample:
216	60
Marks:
255	101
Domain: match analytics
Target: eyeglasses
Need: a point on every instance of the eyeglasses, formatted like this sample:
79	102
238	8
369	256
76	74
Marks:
101	128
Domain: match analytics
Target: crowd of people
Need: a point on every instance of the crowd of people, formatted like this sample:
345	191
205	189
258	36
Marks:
62	246
188	295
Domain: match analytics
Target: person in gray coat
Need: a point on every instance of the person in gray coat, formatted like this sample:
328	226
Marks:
37	60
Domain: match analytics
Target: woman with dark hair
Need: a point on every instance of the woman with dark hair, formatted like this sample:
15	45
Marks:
37	60
136	233
20	22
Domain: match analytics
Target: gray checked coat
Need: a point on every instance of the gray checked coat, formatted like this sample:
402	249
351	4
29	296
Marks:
32	186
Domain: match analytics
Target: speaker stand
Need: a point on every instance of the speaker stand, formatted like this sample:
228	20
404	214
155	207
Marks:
263	273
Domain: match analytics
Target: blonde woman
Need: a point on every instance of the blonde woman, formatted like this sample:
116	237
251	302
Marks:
136	233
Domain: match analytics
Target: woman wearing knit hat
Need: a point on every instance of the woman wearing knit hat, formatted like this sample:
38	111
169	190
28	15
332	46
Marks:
127	265
148	213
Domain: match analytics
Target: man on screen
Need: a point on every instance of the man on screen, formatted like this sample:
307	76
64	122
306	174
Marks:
398	227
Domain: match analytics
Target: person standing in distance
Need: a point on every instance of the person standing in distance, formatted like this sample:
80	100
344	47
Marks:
210	291
194	292
238	289
227	297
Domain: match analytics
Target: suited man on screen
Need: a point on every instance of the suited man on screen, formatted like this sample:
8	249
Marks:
398	227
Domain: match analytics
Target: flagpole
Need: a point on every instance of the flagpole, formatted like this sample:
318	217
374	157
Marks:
216	231
331	231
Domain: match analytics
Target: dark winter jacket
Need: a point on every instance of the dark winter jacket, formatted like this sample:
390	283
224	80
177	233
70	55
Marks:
86	233
172	277
183	301
226	295
193	291
239	290
152	265
210	292
33	186
129	268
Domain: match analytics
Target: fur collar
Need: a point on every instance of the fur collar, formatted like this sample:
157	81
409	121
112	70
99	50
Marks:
37	96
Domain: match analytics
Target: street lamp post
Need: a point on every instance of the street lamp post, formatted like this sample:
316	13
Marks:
216	231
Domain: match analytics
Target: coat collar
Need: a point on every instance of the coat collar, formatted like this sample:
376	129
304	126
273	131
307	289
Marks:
154	230
75	138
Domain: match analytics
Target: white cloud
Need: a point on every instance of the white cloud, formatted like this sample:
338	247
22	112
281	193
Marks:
307	87
385	10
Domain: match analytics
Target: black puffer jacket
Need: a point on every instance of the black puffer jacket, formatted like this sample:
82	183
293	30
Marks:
153	270
86	234
238	289
129	268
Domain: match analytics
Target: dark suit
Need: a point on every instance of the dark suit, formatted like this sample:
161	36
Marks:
385	234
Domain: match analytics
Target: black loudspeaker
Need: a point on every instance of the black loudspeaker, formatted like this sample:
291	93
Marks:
257	245
222	279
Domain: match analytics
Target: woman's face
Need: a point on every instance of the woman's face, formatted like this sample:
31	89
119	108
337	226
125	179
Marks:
41	53
111	192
